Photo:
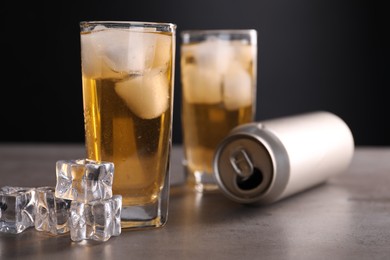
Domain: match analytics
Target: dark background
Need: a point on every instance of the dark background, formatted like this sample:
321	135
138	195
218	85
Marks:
313	55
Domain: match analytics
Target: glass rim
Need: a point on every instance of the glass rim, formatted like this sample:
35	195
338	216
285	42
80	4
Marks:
140	24
217	31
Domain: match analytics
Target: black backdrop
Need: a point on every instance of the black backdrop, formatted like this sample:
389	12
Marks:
313	55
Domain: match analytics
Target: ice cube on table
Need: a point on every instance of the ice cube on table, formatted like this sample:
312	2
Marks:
201	85
52	213
77	221
147	96
122	51
17	209
237	87
97	220
84	180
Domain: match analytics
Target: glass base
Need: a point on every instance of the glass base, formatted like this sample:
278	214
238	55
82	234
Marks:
202	181
146	216
151	215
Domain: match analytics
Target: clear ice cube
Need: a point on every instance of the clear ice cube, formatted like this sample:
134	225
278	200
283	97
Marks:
122	51
52	213
84	180
96	220
147	96
237	87
77	221
17	209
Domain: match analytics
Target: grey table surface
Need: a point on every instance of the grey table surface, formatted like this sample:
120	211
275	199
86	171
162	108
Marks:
348	217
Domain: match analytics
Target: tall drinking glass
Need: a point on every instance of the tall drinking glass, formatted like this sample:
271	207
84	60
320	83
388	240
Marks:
218	77
127	79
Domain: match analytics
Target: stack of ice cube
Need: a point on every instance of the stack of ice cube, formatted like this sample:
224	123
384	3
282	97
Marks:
94	211
81	203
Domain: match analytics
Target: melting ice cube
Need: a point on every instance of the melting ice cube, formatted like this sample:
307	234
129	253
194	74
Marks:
213	54
163	52
201	85
243	53
147	96
92	59
202	79
237	90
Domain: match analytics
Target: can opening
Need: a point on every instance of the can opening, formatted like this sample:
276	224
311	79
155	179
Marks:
251	182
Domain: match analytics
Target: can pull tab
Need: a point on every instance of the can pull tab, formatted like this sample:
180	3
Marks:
241	163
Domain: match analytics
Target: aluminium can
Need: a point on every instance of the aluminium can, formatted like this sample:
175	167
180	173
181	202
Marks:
263	162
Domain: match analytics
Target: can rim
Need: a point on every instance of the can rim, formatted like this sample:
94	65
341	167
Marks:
279	158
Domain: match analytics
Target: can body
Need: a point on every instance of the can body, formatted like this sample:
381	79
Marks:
266	161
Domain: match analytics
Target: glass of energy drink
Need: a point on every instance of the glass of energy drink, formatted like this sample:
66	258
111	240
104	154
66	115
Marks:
218	79
127	81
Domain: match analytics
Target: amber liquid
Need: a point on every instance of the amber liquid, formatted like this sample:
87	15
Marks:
138	147
206	126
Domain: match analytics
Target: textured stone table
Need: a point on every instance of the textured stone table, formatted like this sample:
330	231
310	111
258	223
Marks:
348	217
